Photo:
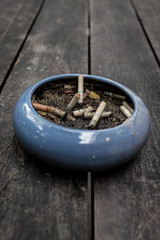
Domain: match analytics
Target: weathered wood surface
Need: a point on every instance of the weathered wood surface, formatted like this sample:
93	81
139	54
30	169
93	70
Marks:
38	202
16	18
148	12
127	199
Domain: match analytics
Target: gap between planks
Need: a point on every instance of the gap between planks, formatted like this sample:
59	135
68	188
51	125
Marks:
90	206
90	192
89	37
21	46
145	32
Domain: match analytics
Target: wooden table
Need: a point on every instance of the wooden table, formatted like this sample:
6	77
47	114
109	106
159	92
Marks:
111	38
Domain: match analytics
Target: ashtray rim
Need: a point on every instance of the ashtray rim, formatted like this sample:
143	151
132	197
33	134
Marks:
83	150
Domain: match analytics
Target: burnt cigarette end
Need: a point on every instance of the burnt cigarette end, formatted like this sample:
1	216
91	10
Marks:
52	116
113	95
86	93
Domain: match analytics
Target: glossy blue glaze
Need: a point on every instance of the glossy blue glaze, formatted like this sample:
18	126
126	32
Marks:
76	149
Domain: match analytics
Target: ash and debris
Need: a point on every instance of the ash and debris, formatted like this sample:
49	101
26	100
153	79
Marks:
54	94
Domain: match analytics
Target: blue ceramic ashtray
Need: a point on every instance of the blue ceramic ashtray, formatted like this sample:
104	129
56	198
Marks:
77	149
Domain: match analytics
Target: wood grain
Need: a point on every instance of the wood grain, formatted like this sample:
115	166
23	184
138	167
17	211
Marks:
38	202
148	13
16	18
127	199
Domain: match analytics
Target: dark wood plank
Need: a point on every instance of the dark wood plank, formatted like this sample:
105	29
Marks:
16	18
127	198
148	13
38	202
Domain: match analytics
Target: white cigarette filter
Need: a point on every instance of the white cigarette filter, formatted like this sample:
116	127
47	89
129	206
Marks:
88	115
73	102
125	111
97	114
80	88
80	112
128	106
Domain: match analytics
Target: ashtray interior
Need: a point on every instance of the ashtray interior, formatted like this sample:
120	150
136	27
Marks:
59	93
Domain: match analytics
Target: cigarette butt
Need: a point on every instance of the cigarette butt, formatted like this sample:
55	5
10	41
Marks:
86	93
73	102
88	115
70	117
127	106
68	91
97	114
57	111
41	107
80	88
112	95
80	112
42	113
52	116
49	109
125	111
94	95
105	114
